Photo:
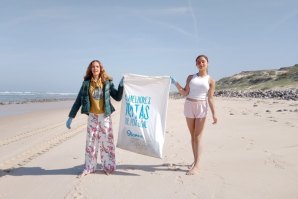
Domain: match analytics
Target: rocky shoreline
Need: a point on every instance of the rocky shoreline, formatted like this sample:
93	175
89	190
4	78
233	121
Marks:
289	94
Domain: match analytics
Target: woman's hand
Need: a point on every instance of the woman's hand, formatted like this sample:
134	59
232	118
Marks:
121	81
68	123
173	80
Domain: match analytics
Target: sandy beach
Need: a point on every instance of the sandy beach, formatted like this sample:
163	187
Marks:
252	153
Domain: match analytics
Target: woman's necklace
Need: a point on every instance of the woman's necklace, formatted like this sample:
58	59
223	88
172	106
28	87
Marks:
97	82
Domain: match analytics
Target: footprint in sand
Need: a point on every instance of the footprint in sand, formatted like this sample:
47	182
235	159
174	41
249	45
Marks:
290	124
171	166
250	143
179	180
273	120
274	161
76	191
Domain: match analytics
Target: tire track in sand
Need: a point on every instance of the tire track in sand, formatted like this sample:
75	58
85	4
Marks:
27	134
35	151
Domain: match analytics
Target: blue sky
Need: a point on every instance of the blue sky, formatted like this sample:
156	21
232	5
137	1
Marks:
47	45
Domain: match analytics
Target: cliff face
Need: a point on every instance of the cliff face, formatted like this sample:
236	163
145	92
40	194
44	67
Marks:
276	79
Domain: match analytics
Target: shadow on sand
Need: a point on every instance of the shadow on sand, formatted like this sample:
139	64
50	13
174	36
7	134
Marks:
76	170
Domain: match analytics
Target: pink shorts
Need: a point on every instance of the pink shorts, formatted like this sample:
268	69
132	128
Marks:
195	109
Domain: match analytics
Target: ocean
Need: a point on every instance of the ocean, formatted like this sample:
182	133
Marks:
8	97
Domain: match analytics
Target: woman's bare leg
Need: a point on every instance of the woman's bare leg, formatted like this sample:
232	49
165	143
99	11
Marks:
191	127
196	140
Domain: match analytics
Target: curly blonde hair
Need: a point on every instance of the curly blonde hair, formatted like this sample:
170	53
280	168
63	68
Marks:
103	74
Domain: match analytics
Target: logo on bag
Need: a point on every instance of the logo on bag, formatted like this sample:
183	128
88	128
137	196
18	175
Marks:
134	135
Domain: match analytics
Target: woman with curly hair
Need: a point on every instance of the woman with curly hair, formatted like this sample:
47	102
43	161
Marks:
94	100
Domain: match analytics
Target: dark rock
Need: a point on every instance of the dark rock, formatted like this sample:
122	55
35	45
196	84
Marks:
291	94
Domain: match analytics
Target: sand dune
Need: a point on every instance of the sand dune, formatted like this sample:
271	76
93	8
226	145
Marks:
251	153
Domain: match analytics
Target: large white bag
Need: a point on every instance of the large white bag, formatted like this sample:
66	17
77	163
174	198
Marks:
143	114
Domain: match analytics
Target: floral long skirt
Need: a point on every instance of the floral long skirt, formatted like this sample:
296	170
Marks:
99	136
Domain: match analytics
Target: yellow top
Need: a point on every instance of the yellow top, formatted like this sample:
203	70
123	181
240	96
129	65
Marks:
96	96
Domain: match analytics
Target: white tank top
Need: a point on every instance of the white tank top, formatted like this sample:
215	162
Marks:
198	87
